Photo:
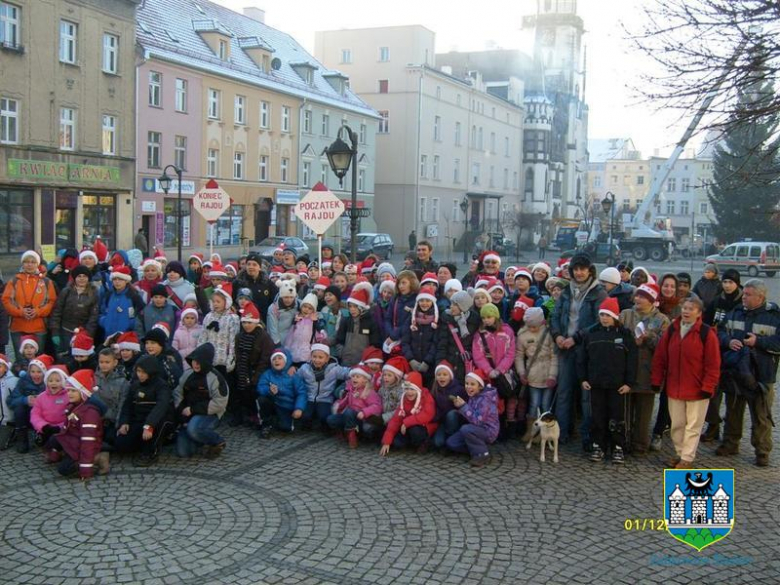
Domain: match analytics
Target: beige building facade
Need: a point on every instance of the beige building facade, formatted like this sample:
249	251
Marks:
67	124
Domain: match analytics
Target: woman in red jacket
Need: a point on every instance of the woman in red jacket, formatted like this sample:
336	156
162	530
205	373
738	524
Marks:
687	363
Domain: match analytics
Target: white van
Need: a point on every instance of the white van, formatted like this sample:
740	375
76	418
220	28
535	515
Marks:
750	257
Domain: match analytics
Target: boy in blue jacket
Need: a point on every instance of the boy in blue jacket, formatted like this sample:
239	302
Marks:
321	377
121	305
282	395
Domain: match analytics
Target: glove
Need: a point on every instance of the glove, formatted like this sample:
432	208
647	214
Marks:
423	367
524	380
552	383
494	374
655	389
55	339
214	326
415	365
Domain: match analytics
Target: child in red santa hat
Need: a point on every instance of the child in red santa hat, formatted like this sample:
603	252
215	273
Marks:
413	423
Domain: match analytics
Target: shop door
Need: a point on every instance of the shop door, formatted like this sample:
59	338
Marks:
262	219
65	219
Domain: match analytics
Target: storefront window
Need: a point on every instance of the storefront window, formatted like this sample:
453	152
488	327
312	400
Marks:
16	221
99	219
170	222
65	218
230	226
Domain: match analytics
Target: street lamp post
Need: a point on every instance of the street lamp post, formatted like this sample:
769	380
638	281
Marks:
165	183
464	207
340	156
608	205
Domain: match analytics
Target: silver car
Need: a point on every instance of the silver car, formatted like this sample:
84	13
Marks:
267	246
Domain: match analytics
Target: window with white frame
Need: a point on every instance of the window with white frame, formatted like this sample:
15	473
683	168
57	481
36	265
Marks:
475	172
307	115
506	178
640	180
67	128
384	54
223	50
324	174
597	181
669	207
306	174
455	210
480	142
490	213
212	162
238	165
361	180
384	122
180	152
109	135
493	142
239	110
506	146
671	185
515	180
434	209
285	167
704	208
325	126
685	185
153	145
263	167
438	92
155	89
362	134
181	95
684	207
626	205
346	56
110	53
473	142
9	121
265	114
424	166
423	209
9	25
492	181
215	97
436	176
68	36
457	134
456	171
437	128
285	118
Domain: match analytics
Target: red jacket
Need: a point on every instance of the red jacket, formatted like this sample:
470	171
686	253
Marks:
403	416
83	436
688	368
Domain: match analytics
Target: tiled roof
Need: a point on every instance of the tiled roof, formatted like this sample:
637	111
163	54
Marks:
168	30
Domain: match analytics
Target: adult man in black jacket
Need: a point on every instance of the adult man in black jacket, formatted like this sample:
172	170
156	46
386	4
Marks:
263	290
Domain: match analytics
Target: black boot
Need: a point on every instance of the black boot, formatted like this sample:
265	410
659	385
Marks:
6	436
22	440
511	430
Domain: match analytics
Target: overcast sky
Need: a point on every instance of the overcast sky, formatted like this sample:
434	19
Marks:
611	65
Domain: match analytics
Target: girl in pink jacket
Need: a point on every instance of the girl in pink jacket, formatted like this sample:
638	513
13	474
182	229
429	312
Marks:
186	337
48	412
359	409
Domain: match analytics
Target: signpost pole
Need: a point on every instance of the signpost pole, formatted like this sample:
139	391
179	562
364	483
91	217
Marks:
211	239
319	251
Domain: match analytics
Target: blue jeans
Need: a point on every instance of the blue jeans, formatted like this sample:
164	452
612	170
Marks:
567	390
539	399
317	410
199	431
346	421
469	439
448	426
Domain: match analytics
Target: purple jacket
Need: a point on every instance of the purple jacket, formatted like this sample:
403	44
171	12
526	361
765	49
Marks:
442	397
482	411
398	315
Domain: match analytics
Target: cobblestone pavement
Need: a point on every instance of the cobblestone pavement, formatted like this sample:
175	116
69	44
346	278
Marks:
305	509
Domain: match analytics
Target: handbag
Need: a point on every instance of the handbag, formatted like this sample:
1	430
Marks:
524	387
464	355
506	383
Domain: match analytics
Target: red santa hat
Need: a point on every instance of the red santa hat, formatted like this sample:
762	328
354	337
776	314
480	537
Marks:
151	262
81	344
446	366
361	370
522	304
122	273
250	313
362	295
30	340
83	381
412	381
4	360
208	264
489	255
279	352
226	290
189	311
196	256
429	277
372	355
610	307
128	340
100	249
164	327
650	291
326	264
397	365
320	347
59	369
87	253
217	270
232	267
43	361
367	266
495	284
322	283
159	254
427	292
542	266
478	376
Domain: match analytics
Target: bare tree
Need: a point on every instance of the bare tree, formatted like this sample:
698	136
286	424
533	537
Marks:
700	46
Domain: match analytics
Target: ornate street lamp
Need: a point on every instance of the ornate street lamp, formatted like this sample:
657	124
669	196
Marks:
608	205
340	156
165	184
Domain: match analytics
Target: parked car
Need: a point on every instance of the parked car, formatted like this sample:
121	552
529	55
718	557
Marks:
598	252
750	257
267	246
381	245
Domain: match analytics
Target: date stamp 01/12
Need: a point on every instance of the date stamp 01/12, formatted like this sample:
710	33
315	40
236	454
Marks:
645	524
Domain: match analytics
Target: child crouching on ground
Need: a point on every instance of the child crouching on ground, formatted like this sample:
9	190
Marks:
78	448
321	376
481	420
359	403
22	398
606	368
110	379
48	412
391	388
282	396
445	389
412	424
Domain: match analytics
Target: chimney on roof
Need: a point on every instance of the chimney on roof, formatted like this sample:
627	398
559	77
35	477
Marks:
255	13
